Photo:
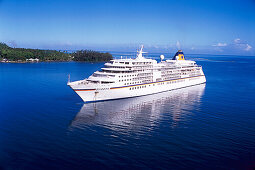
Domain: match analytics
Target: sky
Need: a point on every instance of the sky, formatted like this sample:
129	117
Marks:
195	26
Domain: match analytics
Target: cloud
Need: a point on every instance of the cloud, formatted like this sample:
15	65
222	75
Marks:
155	46
236	46
243	45
178	45
12	43
237	40
220	45
248	47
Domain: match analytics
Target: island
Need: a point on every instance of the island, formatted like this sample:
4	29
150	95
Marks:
22	55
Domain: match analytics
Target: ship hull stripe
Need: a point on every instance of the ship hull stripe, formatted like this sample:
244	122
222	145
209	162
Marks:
84	89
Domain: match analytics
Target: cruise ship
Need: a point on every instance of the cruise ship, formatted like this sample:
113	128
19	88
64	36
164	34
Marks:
124	78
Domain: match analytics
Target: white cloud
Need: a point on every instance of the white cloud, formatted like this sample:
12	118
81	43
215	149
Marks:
243	45
237	40
248	47
178	45
220	45
237	46
12	43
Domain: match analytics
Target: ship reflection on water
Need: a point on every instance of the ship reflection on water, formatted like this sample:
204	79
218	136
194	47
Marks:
141	112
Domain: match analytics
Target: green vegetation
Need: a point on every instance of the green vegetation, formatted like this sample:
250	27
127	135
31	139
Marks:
88	55
22	54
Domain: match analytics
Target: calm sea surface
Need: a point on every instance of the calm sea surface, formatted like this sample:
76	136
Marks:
45	125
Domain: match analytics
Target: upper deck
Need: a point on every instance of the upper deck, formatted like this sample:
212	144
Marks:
139	70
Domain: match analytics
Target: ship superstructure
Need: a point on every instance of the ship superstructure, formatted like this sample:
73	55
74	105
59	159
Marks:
123	78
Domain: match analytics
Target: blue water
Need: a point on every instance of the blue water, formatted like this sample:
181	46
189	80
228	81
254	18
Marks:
45	125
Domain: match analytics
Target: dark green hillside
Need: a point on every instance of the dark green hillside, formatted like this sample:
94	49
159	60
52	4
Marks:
89	55
15	54
21	54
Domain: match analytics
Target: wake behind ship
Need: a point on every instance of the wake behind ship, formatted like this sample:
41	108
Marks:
123	78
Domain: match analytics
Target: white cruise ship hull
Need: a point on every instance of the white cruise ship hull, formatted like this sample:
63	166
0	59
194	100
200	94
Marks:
118	92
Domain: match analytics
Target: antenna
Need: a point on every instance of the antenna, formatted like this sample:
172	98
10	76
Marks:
140	53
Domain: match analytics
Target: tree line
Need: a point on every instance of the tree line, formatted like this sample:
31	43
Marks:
21	54
89	55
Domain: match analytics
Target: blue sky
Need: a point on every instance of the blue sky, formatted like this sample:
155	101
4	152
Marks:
197	26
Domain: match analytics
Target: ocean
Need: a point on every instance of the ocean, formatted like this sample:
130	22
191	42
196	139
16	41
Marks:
45	125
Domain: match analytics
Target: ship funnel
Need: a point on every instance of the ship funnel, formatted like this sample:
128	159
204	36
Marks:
179	55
